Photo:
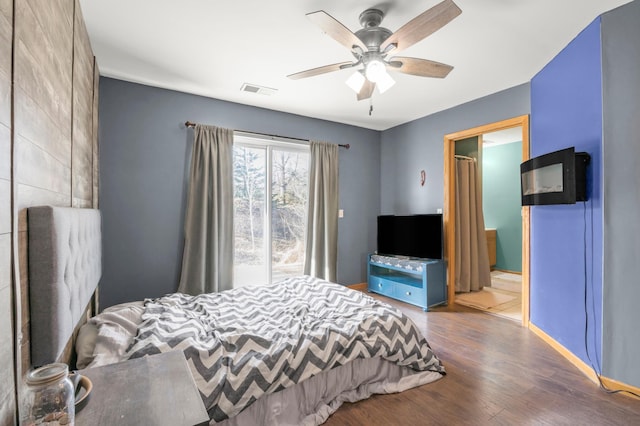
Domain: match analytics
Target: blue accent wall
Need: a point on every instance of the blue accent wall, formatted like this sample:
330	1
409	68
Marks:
144	167
501	202
566	110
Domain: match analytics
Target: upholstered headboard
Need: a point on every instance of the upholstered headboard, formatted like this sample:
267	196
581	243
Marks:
65	265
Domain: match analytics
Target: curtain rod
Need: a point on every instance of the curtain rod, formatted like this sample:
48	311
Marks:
192	124
464	157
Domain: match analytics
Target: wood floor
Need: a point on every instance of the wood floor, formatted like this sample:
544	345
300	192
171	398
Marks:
498	373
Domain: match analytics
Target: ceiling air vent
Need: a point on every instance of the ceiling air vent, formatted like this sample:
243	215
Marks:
254	88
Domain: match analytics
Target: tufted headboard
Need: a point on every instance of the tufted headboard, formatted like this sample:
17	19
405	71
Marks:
65	265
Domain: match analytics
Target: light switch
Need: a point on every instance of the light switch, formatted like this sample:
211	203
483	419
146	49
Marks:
341	213
439	211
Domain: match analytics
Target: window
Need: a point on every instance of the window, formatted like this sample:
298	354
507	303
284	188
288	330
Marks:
269	236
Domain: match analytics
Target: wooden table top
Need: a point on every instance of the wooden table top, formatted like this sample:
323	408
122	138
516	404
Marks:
154	390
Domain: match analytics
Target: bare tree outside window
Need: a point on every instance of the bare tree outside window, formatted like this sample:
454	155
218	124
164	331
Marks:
249	194
288	206
282	241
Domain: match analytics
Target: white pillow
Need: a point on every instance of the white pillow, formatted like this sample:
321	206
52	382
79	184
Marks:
85	343
117	326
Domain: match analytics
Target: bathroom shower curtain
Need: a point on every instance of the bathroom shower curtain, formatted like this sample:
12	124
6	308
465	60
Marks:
472	256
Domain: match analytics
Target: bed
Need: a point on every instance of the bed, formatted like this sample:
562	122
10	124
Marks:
290	353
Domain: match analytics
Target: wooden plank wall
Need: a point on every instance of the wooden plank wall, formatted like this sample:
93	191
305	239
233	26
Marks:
82	131
94	129
42	123
7	382
50	157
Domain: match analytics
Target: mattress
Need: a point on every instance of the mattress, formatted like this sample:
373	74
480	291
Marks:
120	333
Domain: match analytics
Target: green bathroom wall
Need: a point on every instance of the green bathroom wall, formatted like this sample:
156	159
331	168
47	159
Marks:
501	201
467	147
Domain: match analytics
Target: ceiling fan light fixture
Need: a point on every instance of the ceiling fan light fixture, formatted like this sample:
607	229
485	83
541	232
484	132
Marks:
375	70
385	82
371	45
356	81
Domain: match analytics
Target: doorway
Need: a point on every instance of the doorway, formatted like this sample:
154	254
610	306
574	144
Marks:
450	151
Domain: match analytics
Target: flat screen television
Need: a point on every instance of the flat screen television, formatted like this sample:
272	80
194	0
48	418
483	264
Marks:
418	236
559	177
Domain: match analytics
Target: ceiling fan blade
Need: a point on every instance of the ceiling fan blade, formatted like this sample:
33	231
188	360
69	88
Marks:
320	70
367	90
422	25
419	67
333	28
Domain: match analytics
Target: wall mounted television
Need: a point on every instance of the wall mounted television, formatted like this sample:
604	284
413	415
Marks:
559	177
418	236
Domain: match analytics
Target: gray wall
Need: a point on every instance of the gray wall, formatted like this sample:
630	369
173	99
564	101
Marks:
418	145
144	161
621	109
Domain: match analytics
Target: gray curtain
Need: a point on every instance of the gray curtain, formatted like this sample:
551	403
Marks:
472	256
321	252
207	260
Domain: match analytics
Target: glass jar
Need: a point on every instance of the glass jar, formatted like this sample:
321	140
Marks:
50	397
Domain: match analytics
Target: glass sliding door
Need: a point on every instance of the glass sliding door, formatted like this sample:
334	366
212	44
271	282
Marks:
289	190
249	198
270	198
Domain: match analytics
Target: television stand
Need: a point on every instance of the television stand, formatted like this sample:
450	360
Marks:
420	282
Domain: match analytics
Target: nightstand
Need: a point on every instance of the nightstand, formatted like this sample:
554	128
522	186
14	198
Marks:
154	390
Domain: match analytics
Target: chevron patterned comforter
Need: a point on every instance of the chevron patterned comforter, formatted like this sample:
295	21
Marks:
243	343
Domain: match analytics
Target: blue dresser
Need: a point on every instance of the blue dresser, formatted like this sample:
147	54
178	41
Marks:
420	282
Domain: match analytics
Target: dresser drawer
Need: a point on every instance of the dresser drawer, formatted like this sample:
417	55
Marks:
410	294
420	282
381	285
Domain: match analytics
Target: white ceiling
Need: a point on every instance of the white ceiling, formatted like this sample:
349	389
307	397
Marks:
211	48
502	137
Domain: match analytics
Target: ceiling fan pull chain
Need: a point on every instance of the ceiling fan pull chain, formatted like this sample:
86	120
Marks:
370	105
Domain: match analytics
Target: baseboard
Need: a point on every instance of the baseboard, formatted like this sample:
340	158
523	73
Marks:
360	286
573	359
581	365
616	385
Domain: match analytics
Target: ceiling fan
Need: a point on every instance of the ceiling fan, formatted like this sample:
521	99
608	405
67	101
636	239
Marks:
372	46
